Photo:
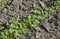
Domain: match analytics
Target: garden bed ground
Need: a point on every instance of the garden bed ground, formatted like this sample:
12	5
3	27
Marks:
13	8
48	28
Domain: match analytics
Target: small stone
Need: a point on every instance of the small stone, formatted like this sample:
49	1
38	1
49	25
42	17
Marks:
37	34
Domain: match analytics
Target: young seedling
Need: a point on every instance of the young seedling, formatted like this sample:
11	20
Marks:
2	2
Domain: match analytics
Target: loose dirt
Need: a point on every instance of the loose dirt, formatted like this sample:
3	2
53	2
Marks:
48	28
13	8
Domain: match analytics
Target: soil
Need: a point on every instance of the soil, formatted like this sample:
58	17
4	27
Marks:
48	2
48	28
13	8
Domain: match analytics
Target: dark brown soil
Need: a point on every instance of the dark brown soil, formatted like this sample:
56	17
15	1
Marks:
48	28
